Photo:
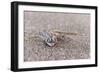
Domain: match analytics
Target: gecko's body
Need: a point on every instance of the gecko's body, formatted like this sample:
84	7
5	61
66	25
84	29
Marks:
52	37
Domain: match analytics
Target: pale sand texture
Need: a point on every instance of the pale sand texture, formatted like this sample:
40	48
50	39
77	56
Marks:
73	47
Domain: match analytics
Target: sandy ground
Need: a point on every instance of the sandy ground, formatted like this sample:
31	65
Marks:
73	47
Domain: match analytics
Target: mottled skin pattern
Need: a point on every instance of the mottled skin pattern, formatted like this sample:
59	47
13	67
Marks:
52	37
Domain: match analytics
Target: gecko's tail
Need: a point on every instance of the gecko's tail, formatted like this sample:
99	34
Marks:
66	33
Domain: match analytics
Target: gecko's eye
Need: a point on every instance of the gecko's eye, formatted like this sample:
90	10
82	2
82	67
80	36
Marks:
49	40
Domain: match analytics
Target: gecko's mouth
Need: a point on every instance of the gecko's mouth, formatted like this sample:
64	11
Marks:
50	44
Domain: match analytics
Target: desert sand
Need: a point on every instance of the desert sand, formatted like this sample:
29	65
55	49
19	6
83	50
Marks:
72	47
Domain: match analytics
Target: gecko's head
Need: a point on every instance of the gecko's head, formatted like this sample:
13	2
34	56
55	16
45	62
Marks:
51	41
